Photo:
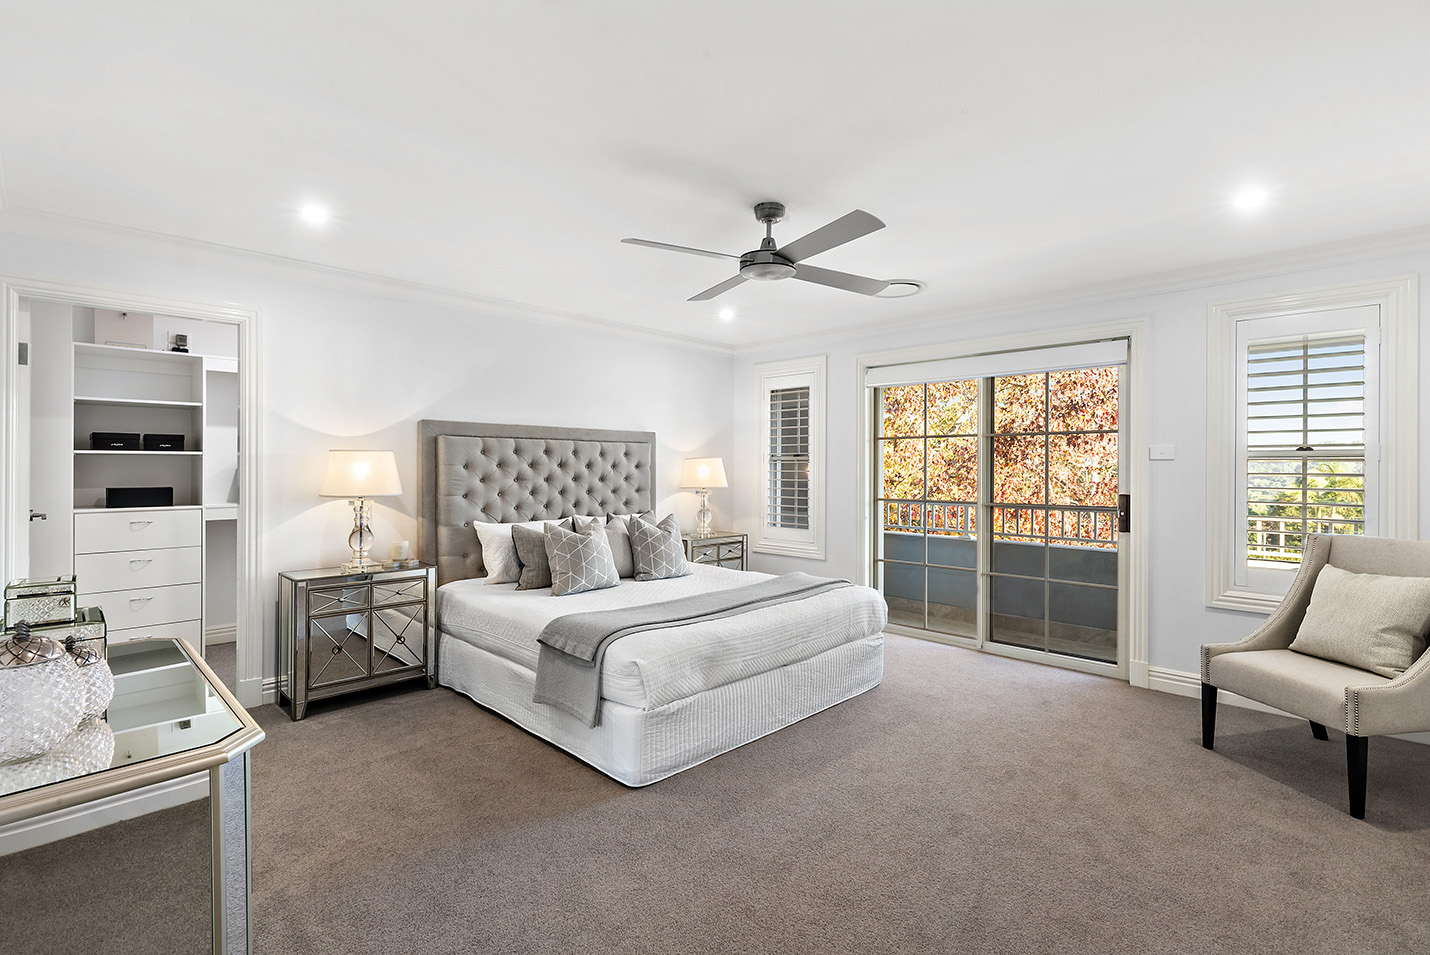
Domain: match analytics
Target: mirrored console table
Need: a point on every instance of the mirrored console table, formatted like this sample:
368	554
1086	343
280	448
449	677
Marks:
170	717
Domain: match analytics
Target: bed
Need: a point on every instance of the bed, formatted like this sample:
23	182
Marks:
670	698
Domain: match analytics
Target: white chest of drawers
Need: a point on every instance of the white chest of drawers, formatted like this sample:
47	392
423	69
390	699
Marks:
144	567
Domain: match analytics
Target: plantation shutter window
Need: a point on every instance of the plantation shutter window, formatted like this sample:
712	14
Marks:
789	458
1305	442
1306	437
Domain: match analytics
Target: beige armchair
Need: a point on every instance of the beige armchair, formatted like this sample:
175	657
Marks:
1355	701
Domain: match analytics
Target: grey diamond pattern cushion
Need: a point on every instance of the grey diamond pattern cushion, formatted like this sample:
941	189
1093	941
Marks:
657	548
1370	621
580	561
531	551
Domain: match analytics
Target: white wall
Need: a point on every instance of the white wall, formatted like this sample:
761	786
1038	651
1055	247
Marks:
342	368
1179	619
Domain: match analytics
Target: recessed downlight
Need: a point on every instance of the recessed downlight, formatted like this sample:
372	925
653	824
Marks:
314	214
1250	199
901	288
726	314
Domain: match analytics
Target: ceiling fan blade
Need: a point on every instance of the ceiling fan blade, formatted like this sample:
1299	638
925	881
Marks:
850	283
844	229
724	286
680	248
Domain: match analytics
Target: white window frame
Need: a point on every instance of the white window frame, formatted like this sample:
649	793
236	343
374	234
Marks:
1392	448
789	542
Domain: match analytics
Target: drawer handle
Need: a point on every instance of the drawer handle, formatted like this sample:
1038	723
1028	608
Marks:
139	525
141	561
139	600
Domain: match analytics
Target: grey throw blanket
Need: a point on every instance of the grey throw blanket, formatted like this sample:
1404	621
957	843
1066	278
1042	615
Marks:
568	669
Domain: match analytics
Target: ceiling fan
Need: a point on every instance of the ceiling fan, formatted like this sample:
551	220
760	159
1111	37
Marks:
770	262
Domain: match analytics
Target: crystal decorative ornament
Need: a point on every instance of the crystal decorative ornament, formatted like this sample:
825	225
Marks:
89	749
94	675
41	695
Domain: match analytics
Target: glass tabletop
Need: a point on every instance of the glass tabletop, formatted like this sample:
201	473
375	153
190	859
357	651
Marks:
163	705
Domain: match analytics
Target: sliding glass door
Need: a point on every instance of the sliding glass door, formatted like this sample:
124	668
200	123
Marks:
997	503
1053	512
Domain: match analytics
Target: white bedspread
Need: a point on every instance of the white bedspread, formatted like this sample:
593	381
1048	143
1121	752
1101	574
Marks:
648	670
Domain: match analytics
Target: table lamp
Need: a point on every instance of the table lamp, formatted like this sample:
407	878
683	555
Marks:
703	473
359	476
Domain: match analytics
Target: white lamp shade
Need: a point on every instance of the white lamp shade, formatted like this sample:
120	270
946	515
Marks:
353	474
703	472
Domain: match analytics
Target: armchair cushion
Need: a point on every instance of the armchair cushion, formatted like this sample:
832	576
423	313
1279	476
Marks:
1368	621
1307	686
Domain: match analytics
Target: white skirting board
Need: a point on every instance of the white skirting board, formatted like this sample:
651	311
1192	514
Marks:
64	823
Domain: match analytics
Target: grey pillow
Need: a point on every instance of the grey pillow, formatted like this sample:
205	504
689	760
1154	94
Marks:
1369	621
531	551
618	535
658	550
579	561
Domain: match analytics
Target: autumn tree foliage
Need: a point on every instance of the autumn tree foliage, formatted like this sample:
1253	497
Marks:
1054	454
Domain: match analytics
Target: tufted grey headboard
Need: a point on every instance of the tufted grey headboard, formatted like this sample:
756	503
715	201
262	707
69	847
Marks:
503	472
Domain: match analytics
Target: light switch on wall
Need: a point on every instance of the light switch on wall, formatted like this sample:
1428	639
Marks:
1162	452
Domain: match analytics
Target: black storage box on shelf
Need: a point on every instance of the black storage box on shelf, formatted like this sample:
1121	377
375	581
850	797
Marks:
138	497
163	442
114	440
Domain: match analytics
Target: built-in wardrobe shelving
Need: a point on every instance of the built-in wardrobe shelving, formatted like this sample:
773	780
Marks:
156	570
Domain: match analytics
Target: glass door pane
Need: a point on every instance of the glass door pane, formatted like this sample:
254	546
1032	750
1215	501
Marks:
926	553
1053	512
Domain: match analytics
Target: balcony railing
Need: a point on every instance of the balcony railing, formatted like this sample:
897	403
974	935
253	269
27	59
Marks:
1076	526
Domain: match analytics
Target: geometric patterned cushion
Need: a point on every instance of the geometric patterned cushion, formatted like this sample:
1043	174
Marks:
658	550
580	561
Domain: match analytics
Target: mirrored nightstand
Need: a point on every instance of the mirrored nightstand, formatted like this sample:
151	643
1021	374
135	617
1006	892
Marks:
720	549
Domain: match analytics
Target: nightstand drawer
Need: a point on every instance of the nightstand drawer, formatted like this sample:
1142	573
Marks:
146	606
99	531
385	592
122	570
348	598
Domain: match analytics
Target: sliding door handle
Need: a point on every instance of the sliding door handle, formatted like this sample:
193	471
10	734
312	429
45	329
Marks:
1124	513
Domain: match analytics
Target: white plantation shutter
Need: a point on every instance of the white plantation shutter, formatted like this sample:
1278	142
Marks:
1308	445
787	494
1305	442
791	458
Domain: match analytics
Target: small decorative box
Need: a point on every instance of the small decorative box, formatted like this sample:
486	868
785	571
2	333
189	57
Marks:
39	600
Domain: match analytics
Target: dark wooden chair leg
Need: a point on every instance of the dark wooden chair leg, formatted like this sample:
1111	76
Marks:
1208	715
1356	760
1318	730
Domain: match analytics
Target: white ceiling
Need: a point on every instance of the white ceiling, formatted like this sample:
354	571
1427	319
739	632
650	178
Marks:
502	149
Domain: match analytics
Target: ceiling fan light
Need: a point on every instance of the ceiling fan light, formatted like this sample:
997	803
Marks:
766	271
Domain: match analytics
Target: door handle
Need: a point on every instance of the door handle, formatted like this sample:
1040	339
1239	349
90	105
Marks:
37	516
1124	513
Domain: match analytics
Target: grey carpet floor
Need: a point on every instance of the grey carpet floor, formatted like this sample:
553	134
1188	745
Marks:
969	804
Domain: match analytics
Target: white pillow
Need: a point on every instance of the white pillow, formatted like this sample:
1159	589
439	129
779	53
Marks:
1372	622
499	550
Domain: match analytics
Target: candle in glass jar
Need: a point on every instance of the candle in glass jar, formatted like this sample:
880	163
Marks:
399	550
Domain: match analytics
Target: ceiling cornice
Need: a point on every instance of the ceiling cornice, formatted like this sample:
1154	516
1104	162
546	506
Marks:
45	225
1342	252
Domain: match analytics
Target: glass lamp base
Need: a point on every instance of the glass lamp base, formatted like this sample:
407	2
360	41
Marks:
703	515
361	567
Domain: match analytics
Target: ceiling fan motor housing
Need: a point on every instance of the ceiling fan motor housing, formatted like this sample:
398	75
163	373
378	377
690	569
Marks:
765	265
